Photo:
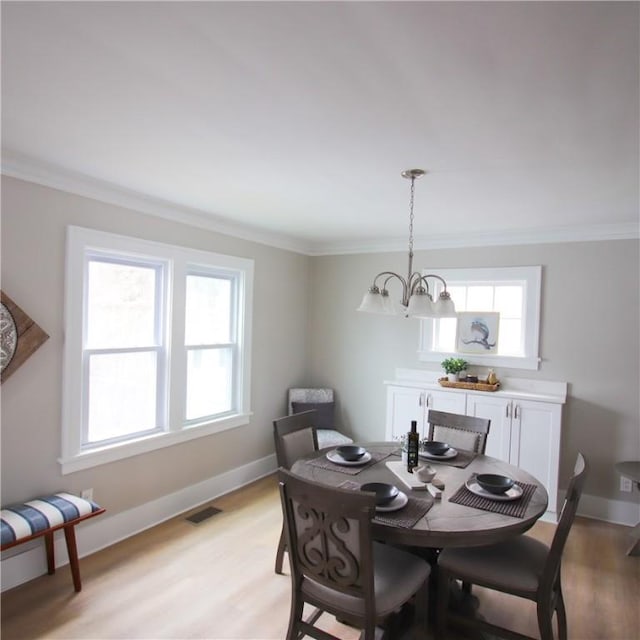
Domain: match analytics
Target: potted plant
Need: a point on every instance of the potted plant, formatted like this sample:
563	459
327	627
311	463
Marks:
453	366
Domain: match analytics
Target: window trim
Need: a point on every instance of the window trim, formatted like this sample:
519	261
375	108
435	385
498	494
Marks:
79	242
532	275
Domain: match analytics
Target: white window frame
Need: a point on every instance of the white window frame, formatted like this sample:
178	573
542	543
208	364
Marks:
532	277
179	261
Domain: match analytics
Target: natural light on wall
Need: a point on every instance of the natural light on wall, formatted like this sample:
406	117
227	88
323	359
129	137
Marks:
513	292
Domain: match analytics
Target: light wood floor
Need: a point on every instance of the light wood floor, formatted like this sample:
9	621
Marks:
215	580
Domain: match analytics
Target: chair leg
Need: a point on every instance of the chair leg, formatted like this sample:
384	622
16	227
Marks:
295	617
282	547
545	614
561	614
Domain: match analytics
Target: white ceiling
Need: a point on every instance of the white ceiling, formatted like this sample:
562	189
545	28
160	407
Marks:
290	122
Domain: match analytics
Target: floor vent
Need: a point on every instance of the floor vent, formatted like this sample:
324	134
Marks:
205	514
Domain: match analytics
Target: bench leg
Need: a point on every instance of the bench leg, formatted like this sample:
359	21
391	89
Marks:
72	550
51	560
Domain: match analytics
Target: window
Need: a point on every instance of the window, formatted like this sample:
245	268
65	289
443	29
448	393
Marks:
157	347
514	292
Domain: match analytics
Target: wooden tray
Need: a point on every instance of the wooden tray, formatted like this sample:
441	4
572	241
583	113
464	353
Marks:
474	386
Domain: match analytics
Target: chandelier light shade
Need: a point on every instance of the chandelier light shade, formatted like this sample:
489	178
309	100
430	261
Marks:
417	301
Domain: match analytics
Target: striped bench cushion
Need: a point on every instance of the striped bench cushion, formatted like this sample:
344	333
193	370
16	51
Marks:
24	520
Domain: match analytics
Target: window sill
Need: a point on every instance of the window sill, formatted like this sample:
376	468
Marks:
508	362
122	450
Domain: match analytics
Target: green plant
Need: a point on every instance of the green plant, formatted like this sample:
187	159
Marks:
454	365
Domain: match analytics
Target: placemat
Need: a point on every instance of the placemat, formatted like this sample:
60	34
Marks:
462	460
405	517
324	463
515	508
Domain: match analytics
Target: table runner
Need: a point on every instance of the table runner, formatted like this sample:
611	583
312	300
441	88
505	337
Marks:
515	508
324	463
406	517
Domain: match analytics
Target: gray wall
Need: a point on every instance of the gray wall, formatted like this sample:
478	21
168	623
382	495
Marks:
306	331
34	220
589	338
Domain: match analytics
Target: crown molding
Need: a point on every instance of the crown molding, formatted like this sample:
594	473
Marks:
24	168
592	233
18	166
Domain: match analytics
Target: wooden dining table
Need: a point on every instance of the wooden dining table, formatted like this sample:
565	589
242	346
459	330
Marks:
446	523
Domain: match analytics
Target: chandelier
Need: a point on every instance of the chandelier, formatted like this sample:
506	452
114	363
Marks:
417	301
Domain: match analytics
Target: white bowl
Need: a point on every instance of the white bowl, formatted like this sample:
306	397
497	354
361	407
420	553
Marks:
425	473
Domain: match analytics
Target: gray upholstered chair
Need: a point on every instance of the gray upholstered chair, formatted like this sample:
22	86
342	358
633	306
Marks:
523	567
337	568
460	431
294	436
322	400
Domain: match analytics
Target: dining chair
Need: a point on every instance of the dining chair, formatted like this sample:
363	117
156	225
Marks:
460	431
522	566
295	436
337	568
322	400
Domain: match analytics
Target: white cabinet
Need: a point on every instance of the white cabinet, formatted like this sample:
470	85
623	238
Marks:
406	403
526	419
499	411
524	433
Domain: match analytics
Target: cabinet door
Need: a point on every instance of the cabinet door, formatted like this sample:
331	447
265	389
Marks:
535	443
404	404
449	401
498	410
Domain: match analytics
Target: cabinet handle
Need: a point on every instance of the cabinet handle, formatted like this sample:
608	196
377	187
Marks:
420	399
428	400
507	410
517	412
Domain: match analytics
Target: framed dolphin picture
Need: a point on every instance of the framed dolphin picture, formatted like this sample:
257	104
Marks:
478	332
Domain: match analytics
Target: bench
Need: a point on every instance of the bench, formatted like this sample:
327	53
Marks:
44	516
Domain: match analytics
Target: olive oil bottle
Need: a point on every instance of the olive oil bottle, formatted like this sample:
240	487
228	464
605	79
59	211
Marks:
413	443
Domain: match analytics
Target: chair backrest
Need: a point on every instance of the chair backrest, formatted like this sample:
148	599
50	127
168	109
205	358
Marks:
329	538
460	431
295	436
567	515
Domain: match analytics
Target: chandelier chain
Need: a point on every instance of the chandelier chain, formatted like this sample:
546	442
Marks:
413	183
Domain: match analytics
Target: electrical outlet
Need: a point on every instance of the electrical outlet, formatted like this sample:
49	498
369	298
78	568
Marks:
626	484
87	494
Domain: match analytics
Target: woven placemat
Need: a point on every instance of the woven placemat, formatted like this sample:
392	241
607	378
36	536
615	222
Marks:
324	463
515	508
462	460
405	517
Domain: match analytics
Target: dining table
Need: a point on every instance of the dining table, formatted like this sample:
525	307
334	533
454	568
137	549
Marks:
457	518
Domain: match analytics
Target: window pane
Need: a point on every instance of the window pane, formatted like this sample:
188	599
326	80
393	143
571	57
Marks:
459	297
209	382
509	301
479	298
510	338
446	335
208	310
122	394
120	305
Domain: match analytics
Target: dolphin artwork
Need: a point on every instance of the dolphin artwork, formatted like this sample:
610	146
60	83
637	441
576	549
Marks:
479	334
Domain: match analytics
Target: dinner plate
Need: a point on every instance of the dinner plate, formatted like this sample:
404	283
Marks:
396	504
336	458
447	455
512	494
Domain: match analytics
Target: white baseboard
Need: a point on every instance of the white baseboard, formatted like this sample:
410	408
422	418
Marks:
614	511
106	530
